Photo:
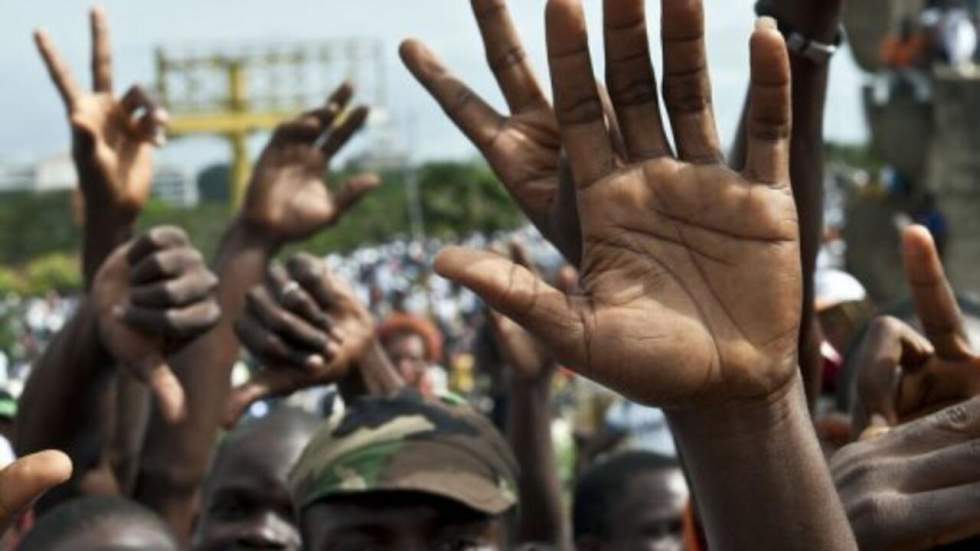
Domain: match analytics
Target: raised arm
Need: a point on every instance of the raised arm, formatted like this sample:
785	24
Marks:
287	201
692	287
542	517
112	145
151	297
816	20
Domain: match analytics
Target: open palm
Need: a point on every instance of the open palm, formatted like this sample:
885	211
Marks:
288	196
691	280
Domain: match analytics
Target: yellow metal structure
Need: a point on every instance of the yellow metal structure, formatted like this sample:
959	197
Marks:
222	93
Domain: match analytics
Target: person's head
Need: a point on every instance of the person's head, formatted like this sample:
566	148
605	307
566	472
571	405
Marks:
412	344
404	474
246	502
99	523
633	501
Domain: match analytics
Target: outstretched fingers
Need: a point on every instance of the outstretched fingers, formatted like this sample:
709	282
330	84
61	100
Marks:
506	56
101	51
578	106
631	81
474	117
687	85
58	69
770	109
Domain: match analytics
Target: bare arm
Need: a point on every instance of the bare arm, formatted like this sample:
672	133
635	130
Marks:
287	201
68	386
532	368
691	281
174	458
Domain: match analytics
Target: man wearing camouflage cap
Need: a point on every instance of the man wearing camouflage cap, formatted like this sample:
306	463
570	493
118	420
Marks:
405	473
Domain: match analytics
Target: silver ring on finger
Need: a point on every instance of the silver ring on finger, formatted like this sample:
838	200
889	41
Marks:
288	289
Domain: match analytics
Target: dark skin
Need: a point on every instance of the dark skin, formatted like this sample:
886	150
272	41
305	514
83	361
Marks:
691	281
112	145
914	487
288	200
307	328
149	299
819	20
246	496
648	518
524	147
399	521
542	518
904	375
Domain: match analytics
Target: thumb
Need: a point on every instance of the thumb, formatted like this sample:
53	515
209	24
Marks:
170	396
516	293
356	189
29	478
263	385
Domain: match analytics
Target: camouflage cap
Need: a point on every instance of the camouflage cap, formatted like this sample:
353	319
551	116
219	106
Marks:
407	443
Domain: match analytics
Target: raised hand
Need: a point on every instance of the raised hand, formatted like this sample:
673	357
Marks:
941	370
914	487
288	197
112	138
25	480
153	296
690	273
523	148
305	326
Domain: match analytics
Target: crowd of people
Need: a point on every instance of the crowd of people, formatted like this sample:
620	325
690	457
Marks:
945	34
718	387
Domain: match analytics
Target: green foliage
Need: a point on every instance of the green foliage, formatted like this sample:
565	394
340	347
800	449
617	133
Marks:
36	224
456	199
56	271
40	241
854	155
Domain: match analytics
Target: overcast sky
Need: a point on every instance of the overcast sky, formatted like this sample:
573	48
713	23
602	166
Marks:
33	124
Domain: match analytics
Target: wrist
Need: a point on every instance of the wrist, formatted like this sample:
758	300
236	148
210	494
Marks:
742	421
818	21
245	235
537	386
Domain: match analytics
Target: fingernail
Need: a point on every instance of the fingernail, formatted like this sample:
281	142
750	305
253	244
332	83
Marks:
314	361
766	22
118	311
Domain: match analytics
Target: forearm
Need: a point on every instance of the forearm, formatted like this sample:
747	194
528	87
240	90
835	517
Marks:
63	401
103	233
175	457
74	366
542	519
765	456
